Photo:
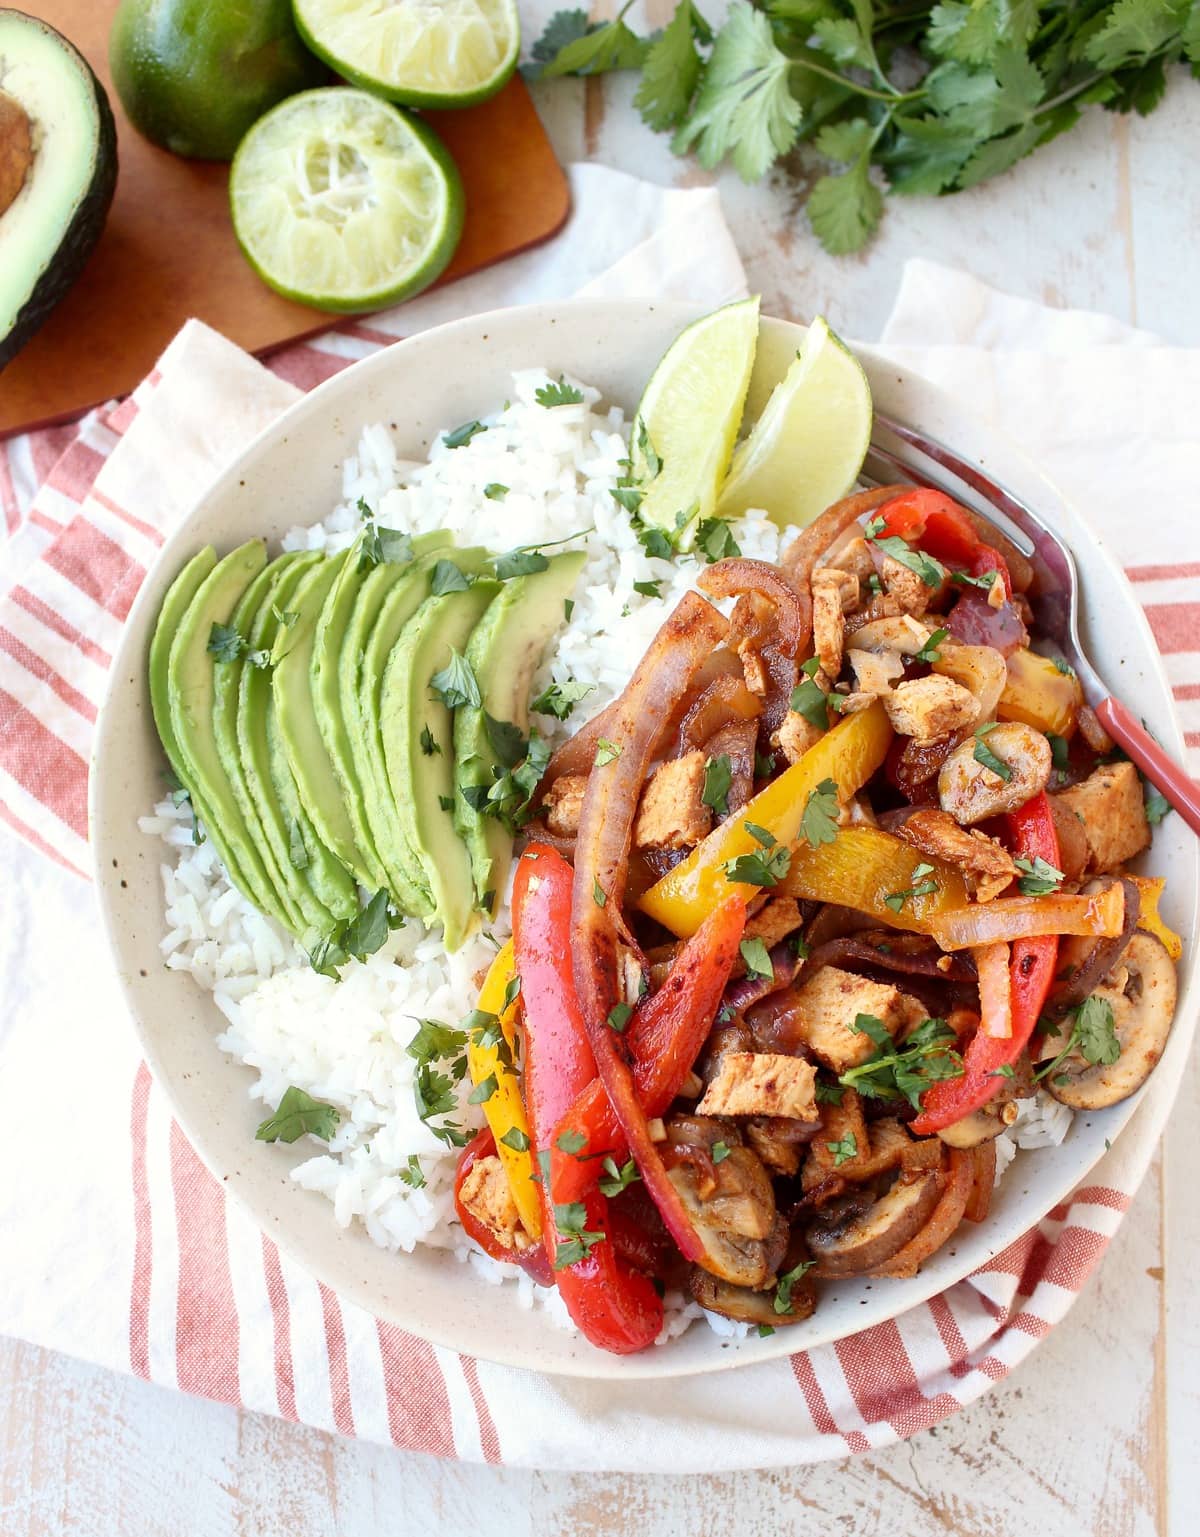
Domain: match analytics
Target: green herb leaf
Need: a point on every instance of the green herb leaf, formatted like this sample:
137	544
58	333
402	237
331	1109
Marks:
766	868
714	537
744	107
818	823
570	1142
1157	806
827	1093
494	491
297	849
520	563
929	651
788	1280
809	699
299	1115
606	752
463	435
224	643
843	1149
757	958
412	1174
599	895
619	1016
447	577
1038	877
561	698
718	779
720	1151
985	755
516	1139
672	69
931	571
617	1179
648	589
927	1056
366	932
455	685
1060	750
1097	1032
560	394
428	745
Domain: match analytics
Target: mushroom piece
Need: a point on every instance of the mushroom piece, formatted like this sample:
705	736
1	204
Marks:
980	1127
748	1306
971	792
737	1223
847	1240
1141	993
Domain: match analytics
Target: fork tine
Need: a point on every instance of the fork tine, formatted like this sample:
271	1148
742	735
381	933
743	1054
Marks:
958	479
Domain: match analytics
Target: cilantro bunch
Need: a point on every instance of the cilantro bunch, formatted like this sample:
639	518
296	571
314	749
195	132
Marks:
903	98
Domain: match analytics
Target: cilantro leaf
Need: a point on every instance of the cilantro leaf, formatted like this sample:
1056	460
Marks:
563	28
598	50
715	538
617	1179
903	1072
648	589
412	1174
1133	31
720	1151
931	571
494	491
843	1149
809	699
744	107
818	823
224	643
786	1283
456	685
298	1115
366	932
428	742
461	436
619	1016
671	70
845	210
1157	806
1097	1033
1038	877
606	752
560	394
447	577
766	867
718	778
561	698
757	958
517	1139
985	755
520	563
929	651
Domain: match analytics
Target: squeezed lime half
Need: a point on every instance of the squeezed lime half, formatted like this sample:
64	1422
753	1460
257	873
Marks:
422	53
345	202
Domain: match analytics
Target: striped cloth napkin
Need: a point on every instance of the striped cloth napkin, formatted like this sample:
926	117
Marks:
124	1250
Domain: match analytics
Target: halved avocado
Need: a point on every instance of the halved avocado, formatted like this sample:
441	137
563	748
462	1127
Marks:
405	593
504	651
227	678
58	169
420	768
314	662
189	693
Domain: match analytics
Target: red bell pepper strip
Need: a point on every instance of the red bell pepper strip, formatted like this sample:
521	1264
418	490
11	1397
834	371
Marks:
532	1259
664	1037
941	528
614	1304
1029	833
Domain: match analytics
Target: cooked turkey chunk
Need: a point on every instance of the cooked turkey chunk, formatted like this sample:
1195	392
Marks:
564	803
928	709
672	814
831	1000
485	1194
761	1083
1110	806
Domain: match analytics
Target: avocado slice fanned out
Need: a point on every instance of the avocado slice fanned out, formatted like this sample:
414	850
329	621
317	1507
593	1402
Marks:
58	169
324	665
417	731
503	652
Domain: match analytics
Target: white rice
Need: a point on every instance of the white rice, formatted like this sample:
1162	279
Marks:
345	1043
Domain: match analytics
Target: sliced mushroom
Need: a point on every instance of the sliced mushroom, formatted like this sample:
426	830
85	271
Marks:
737	1223
1142	994
848	1241
748	1306
971	792
973	1130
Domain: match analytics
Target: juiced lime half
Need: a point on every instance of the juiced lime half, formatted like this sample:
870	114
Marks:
807	447
423	53
344	202
687	422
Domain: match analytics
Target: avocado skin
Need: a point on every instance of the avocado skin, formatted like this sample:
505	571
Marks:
504	651
84	230
418	781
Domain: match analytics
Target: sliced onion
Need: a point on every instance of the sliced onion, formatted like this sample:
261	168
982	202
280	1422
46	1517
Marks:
980	669
995	990
776	628
646	713
1011	918
724	702
803	555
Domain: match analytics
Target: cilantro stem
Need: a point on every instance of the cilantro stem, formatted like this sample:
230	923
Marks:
892	96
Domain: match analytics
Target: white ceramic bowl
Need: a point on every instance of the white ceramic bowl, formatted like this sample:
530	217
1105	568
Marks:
292	474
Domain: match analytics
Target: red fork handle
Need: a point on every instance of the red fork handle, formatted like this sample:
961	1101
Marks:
1182	792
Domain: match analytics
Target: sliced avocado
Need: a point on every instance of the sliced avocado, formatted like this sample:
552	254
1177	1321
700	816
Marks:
417	733
58	169
190	687
326	874
254	700
405	591
330	780
227	677
504	651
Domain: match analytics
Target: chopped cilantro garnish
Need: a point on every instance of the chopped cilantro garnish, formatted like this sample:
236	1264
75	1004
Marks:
298	1115
718	777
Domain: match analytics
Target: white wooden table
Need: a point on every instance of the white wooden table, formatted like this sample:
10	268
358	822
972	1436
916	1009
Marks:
1094	1435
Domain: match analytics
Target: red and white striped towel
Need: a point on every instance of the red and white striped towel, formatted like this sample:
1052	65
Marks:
123	1249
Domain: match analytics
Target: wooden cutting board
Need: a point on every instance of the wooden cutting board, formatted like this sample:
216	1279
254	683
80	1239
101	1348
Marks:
168	250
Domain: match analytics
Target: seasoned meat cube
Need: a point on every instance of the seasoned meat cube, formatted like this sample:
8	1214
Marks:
796	735
902	583
753	670
672	814
485	1194
987	866
828	1004
1110	806
761	1083
928	709
845	582
855	558
876	671
828	621
563	804
780	917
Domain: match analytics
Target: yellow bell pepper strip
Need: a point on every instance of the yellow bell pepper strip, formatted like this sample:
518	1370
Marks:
877	873
505	1109
1150	920
1040	694
849	755
1014	918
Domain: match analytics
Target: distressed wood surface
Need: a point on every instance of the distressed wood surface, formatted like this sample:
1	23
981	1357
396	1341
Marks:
1096	1433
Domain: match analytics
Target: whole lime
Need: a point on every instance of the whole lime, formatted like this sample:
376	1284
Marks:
193	75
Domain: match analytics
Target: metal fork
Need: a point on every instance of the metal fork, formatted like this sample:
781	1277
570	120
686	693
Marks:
901	452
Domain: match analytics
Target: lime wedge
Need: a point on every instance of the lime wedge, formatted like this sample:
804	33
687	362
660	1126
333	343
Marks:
687	422
423	53
807	447
344	202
